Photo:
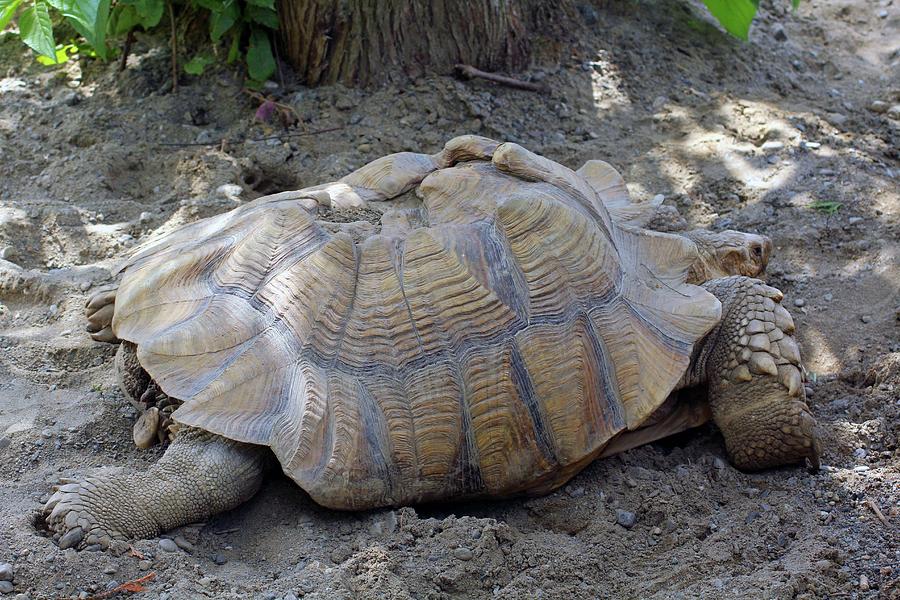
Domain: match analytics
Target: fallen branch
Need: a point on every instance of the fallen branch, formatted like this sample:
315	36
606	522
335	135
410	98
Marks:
874	507
470	72
132	586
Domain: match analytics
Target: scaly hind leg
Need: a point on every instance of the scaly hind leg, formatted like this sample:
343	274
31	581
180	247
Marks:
201	474
752	366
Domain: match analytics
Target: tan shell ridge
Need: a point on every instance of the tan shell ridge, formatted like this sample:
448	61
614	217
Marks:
494	351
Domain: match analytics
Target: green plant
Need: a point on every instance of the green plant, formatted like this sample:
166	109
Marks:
736	15
244	27
829	207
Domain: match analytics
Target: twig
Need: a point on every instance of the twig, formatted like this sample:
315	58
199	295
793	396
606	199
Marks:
174	48
129	586
262	139
126	49
227	531
470	72
871	504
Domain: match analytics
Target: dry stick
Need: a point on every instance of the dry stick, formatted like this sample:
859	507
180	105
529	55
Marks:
871	504
470	72
174	48
129	586
262	139
126	49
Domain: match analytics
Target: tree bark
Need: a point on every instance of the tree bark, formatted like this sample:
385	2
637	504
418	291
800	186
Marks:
359	42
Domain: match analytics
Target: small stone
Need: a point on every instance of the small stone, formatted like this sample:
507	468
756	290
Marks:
863	583
799	302
882	14
860	453
866	319
5	441
810	145
204	137
778	32
167	545
219	558
110	570
894	111
6	587
7	253
229	191
855	220
184	544
145	217
364	147
751	517
463	553
773	145
344	103
861	468
6	572
658	199
808	391
144	565
828	297
625	518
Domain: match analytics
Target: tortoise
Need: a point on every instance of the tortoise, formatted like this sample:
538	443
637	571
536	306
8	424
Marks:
481	322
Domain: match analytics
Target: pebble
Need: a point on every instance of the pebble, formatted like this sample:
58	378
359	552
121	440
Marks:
863	583
882	14
894	111
860	453
6	587
799	302
145	565
167	545
7	253
5	441
6	572
855	220
808	391
658	199
219	558
625	518
778	32
861	468
463	553
110	570
184	544
879	106
229	191
810	145
828	297
204	137
145	217
290	596
773	145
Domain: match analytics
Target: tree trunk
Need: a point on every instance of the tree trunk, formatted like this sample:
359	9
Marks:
361	41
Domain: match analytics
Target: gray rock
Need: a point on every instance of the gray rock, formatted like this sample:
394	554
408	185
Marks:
625	518
6	587
778	32
219	558
840	404
6	572
229	191
828	297
290	596
860	453
463	553
71	538
5	441
167	545
110	570
204	137
799	302
866	319
773	145
184	544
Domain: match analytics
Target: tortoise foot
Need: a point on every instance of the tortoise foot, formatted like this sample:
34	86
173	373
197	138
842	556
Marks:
755	379
79	515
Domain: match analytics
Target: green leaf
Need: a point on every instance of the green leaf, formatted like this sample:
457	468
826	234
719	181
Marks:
829	207
198	64
222	19
89	18
795	4
63	52
7	10
262	3
36	29
260	62
734	15
234	50
129	14
263	16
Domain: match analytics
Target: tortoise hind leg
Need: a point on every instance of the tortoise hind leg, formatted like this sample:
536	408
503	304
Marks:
201	474
752	367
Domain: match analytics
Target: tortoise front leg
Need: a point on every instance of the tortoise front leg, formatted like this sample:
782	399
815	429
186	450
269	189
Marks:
752	366
201	474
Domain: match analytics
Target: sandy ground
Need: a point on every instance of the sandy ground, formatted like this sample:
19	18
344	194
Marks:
747	136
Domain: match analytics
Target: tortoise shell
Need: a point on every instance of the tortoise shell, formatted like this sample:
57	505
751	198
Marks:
489	339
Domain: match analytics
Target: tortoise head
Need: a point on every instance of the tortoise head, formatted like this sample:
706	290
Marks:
724	253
